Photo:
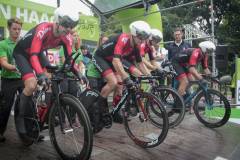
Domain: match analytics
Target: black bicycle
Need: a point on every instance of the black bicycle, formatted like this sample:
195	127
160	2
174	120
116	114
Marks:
137	117
65	117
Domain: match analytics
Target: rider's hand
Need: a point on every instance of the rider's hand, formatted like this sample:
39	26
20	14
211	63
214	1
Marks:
129	83
157	72
42	79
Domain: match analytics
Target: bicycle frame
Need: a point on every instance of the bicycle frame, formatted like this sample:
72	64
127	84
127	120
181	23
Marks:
201	87
121	103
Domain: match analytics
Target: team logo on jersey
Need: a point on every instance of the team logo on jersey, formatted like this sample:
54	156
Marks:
124	40
42	32
26	35
106	45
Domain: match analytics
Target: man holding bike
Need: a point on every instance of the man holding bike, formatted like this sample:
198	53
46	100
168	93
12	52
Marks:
109	58
185	63
30	59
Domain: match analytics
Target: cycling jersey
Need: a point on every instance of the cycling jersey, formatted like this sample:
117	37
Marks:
144	49
188	58
34	42
118	46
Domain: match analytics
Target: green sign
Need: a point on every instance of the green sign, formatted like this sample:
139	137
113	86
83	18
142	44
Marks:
32	14
88	28
154	20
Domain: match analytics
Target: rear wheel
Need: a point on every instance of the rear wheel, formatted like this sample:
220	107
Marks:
70	129
212	110
138	124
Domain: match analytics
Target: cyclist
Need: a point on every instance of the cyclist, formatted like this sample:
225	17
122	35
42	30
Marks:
149	47
185	63
30	59
152	48
109	56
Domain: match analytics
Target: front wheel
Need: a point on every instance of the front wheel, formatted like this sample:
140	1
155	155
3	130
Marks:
139	126
70	129
173	103
212	109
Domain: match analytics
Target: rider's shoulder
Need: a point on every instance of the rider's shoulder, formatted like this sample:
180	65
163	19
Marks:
124	37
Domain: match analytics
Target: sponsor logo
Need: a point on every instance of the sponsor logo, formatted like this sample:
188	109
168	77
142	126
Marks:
42	32
107	45
124	40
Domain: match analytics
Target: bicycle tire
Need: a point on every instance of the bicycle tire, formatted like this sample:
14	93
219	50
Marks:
170	97
130	127
85	153
206	109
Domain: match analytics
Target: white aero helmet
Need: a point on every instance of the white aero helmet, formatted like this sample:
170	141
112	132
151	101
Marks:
207	46
140	29
66	18
156	35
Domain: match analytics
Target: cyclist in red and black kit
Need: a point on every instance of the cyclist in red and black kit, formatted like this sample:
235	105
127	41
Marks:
109	56
185	63
30	59
151	49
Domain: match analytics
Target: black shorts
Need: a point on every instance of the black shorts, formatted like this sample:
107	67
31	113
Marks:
128	66
96	83
102	65
23	63
179	62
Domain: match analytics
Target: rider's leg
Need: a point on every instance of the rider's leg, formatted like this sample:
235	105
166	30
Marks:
25	97
183	82
116	98
118	90
106	90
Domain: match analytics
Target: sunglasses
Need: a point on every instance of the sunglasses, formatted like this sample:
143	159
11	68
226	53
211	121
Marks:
142	35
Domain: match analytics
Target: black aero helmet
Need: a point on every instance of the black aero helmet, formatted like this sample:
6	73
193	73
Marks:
66	18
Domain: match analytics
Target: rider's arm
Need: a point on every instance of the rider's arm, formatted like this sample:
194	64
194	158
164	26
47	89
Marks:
143	68
205	65
195	73
148	64
34	52
117	64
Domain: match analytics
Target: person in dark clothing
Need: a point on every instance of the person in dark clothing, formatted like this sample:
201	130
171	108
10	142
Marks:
178	45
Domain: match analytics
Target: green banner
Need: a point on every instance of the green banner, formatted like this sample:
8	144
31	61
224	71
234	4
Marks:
154	20
32	14
88	28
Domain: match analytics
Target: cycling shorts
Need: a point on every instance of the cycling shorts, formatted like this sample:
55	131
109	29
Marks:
179	63
23	62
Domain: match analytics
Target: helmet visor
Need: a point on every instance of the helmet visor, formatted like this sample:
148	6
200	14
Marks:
142	35
156	39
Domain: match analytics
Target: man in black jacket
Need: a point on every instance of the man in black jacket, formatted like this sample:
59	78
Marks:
178	45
